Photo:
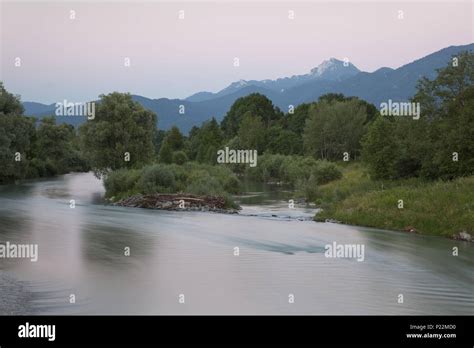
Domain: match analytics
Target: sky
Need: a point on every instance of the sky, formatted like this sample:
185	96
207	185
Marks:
49	53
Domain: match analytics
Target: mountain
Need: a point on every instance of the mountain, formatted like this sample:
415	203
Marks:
331	76
332	70
41	110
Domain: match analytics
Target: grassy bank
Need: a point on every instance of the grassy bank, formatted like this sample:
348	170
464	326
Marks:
434	208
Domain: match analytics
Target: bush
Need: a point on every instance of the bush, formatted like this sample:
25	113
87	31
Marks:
121	182
287	169
325	172
36	168
181	174
232	184
297	168
191	177
226	177
201	183
309	189
157	178
51	168
179	157
321	174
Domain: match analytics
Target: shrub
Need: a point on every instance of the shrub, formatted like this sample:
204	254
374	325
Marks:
179	157
226	177
157	178
166	152
287	169
36	168
121	182
325	172
309	188
51	168
201	183
191	177
232	184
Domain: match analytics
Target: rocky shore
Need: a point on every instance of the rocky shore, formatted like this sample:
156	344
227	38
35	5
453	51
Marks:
178	202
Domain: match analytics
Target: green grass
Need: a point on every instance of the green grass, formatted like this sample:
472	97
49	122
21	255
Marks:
434	208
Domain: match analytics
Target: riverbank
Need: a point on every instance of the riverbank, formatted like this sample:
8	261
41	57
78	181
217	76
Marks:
415	206
179	202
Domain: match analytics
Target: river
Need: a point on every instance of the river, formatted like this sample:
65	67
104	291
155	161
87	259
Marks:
281	256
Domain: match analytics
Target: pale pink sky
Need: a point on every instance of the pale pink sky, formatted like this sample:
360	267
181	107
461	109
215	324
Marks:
82	58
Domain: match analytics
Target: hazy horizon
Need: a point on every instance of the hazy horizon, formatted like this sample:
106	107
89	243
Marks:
175	58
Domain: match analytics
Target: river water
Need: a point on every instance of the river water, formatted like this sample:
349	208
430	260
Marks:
281	256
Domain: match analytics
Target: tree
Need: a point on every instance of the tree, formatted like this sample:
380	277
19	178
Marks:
334	128
255	103
452	140
252	133
16	134
54	144
205	141
121	135
9	103
440	144
371	109
166	152
297	121
381	150
332	97
160	136
175	138
437	95
283	141
447	103
180	157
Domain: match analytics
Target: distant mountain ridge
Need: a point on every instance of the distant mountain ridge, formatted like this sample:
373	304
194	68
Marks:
331	76
332	70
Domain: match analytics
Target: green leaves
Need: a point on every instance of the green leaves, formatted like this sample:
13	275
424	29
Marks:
257	105
438	145
334	128
122	134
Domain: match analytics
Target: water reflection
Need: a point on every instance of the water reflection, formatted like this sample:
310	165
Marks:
112	245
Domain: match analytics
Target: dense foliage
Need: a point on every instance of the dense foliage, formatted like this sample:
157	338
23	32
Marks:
190	177
122	134
438	145
31	148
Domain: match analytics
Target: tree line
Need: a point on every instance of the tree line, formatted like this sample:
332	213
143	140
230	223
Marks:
30	148
440	144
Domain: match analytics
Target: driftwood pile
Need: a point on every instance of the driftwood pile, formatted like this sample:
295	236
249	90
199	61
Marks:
177	201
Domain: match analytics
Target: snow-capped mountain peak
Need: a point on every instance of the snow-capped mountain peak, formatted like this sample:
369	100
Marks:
334	69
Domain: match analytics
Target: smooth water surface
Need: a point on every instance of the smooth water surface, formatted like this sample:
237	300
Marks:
81	252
